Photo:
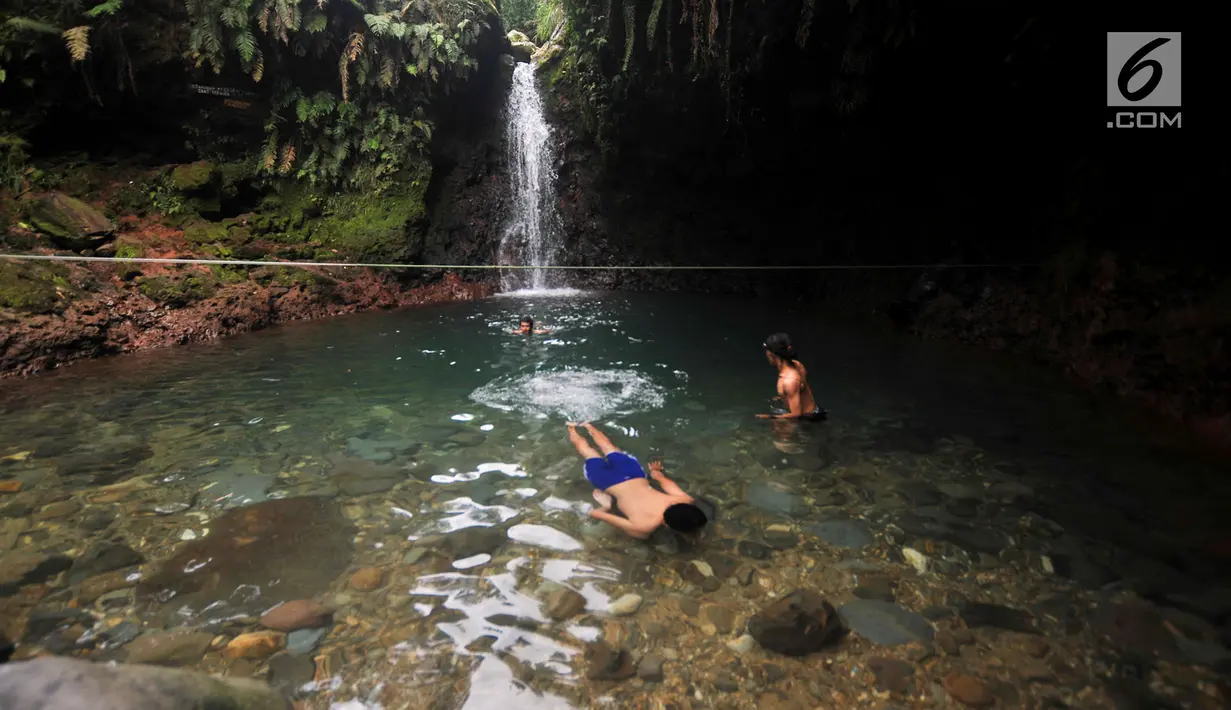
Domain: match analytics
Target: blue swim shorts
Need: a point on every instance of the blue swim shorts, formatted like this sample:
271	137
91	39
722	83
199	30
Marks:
617	468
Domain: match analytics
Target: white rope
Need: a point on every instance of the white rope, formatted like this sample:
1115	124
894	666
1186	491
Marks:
453	267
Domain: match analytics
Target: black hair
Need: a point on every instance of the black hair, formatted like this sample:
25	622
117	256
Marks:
527	320
684	517
780	345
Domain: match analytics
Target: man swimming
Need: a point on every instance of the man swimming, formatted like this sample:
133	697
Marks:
527	327
619	475
793	386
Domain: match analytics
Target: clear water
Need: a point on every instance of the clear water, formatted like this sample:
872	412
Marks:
531	236
420	425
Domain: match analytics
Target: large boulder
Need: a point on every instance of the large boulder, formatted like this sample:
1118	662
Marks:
71	684
523	48
71	223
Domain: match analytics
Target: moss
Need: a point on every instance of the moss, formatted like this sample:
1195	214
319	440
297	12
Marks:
193	176
32	288
229	274
290	277
128	249
177	292
228	232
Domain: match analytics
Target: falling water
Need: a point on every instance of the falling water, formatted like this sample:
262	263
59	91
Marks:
531	236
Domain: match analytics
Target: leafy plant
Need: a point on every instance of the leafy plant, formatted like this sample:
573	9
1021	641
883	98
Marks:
12	162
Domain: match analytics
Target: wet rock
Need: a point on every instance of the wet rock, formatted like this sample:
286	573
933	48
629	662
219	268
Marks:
626	605
968	690
96	520
781	537
296	614
255	645
103	557
42	623
605	663
920	494
72	684
875	587
892	675
469	542
367	579
798	624
696	571
650	669
563	603
1136	628
721	618
301	543
831	499
915	559
999	617
726	682
380	450
71	223
743	644
755	550
1204	653
884	623
776	498
60	509
1035	646
304	641
962	508
357	477
977	539
1082	570
22	568
169	648
1010	490
843	533
947	643
288	673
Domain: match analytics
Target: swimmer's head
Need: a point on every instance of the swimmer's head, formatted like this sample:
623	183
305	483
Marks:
684	518
779	346
527	324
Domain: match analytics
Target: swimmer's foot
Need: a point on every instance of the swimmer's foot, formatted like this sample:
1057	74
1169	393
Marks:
603	499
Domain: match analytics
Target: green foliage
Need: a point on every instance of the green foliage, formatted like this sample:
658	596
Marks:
392	57
548	14
12	162
37	35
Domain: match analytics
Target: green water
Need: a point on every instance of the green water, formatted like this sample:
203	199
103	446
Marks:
421	425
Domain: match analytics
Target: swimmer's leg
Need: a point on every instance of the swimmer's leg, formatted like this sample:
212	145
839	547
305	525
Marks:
579	442
603	499
604	444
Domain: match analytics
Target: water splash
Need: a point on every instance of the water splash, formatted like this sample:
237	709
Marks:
576	394
531	236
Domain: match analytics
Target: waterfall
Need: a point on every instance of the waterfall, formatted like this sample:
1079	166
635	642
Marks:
531	235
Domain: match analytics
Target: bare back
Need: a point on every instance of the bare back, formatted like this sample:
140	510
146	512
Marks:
793	382
644	505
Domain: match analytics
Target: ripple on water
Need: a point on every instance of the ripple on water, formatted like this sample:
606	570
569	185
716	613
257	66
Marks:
577	394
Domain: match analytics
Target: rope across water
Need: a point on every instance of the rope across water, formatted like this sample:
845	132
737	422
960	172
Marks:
497	267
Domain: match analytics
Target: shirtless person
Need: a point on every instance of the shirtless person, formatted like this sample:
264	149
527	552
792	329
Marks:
620	475
793	386
527	327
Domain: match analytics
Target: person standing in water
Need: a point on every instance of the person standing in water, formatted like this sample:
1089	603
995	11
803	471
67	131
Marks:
618	475
527	327
793	387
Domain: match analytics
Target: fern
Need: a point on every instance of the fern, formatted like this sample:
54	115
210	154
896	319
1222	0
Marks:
317	22
258	67
108	8
379	24
245	44
26	24
288	159
77	39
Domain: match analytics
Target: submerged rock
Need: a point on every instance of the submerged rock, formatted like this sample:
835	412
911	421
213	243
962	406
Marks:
70	684
22	568
885	623
277	550
798	624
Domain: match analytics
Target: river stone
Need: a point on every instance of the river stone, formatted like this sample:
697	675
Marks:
71	684
304	641
103	557
71	223
563	603
169	648
287	672
978	615
884	623
798	624
22	568
843	533
775	498
606	663
302	544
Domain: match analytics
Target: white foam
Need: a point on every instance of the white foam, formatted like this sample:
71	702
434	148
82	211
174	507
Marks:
543	536
573	393
542	293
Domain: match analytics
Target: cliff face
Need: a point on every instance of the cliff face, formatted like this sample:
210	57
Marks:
775	136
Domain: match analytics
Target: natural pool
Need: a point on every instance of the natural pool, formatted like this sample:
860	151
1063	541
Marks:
981	528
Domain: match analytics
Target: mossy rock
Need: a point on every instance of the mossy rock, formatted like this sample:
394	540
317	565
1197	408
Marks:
33	288
514	36
69	222
129	248
193	177
228	232
177	292
291	277
523	51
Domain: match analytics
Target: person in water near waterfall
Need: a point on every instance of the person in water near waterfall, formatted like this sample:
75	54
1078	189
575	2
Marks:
527	327
619	476
793	387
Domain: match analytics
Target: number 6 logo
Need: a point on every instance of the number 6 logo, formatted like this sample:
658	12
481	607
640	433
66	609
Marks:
1136	63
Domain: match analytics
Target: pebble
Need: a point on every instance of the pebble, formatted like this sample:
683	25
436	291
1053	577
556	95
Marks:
915	559
58	510
169	648
10	486
255	645
968	690
650	669
563	603
297	614
626	605
366	579
743	644
304	641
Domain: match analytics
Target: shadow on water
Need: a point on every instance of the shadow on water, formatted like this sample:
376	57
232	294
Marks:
428	444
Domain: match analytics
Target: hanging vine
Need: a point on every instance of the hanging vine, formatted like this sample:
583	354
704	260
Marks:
651	25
